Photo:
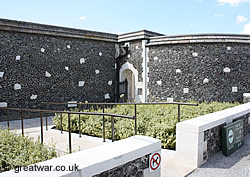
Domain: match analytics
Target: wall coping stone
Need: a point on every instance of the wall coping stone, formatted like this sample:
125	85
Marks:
99	159
208	121
199	38
35	28
138	35
153	37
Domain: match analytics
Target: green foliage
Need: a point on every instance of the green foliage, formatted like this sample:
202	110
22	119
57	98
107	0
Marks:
17	150
158	121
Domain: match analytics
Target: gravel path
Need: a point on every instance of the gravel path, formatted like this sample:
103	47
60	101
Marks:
236	165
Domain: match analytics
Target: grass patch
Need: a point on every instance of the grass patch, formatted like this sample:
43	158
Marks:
157	121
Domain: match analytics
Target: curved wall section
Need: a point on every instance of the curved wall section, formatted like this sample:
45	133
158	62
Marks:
192	70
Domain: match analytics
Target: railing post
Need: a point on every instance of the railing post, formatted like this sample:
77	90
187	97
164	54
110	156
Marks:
179	117
22	123
79	109
46	121
8	121
80	126
70	150
112	128
41	118
103	122
135	120
61	121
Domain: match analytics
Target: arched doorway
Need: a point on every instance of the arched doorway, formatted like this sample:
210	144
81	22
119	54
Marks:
127	86
128	82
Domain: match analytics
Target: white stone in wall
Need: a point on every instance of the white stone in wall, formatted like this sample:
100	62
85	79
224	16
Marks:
178	71
3	104
106	96
110	82
100	53
42	50
33	97
1	74
226	70
155	58
115	66
127	44
47	74
68	46
206	80
234	89
170	100
66	68
195	54
81	83
18	57
137	47
159	82
17	87
185	90
97	71
128	55
82	60
229	48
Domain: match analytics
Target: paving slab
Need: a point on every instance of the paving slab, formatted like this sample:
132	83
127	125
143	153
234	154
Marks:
235	165
32	128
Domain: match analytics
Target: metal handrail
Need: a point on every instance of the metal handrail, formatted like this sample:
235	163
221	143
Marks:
69	122
147	103
135	104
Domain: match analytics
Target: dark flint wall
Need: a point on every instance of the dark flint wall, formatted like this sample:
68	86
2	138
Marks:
210	63
134	56
59	52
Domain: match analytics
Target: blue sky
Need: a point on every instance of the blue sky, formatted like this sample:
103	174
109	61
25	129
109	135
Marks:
170	17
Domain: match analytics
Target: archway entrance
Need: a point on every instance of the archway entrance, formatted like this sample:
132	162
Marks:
127	85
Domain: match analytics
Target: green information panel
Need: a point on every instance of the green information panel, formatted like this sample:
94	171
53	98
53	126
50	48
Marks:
232	137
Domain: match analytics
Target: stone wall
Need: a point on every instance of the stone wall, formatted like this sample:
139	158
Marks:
199	138
214	136
37	68
199	71
134	56
133	168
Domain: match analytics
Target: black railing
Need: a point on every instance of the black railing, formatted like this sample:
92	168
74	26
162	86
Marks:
69	122
135	105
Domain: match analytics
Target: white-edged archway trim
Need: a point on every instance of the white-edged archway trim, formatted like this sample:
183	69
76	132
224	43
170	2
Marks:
129	66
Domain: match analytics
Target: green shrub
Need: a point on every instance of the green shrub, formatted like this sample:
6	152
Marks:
158	121
17	150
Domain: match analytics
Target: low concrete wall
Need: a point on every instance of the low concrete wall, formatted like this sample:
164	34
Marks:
128	157
197	139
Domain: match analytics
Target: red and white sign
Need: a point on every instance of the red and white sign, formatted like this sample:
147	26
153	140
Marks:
154	161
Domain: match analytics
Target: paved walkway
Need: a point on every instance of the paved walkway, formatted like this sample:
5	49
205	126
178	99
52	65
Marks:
32	128
235	165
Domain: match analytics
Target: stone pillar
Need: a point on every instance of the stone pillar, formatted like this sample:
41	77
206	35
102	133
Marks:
246	97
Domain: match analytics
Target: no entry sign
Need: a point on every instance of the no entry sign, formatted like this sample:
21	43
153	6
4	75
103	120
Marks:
154	161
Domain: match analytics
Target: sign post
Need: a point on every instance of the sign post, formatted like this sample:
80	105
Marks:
232	137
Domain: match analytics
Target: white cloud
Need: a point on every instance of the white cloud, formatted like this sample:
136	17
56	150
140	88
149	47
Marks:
83	18
241	19
218	15
231	2
246	29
